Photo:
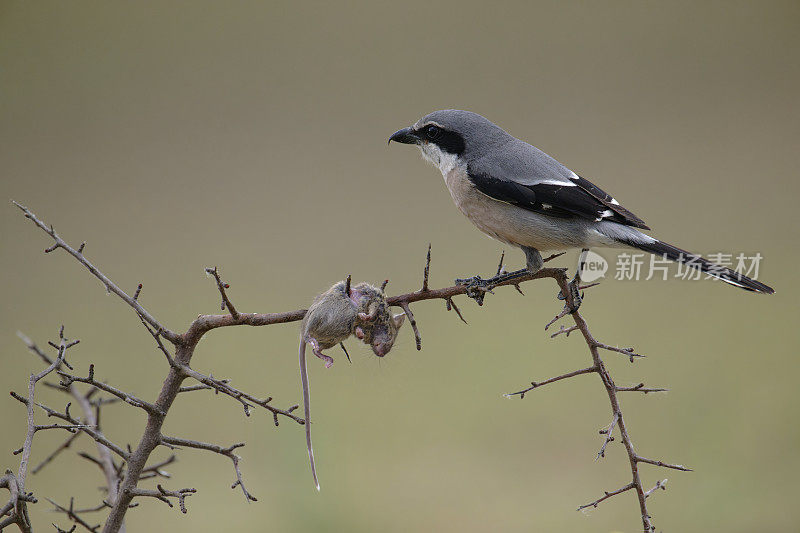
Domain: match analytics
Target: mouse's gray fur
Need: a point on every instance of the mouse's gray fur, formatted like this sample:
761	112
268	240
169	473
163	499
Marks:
332	317
378	326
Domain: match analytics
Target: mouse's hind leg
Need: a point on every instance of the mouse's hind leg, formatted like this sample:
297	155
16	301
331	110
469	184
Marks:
318	352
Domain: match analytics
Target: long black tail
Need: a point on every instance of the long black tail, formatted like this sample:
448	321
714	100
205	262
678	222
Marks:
703	265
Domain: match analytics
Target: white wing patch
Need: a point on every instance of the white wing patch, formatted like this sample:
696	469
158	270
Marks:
605	214
556	182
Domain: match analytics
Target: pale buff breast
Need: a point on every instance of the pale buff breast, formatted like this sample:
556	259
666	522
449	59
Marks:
510	224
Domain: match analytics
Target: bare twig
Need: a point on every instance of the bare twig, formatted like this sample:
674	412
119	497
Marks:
20	514
91	410
417	337
451	305
640	388
88	429
163	495
72	514
564	331
90	458
553	256
606	495
564	312
427	271
500	264
346	353
536	385
66	444
16	507
69	379
247	400
660	484
72	428
201	386
158	468
624	351
153	333
102	505
608	431
226	303
662	464
227	452
109	285
611	389
185	344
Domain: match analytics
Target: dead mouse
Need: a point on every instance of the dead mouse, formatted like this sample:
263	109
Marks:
375	325
333	316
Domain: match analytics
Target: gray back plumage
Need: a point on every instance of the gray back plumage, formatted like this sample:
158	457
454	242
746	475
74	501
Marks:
491	150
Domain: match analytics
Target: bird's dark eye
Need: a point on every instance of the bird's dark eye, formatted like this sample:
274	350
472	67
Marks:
433	132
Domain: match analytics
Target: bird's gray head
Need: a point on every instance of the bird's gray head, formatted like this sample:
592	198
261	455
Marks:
451	136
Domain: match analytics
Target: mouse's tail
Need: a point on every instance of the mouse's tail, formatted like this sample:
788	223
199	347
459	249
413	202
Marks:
307	408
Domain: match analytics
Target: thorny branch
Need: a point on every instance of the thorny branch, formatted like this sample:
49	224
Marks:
247	400
74	514
222	286
606	495
612	389
66	416
109	285
608	432
15	509
227	452
66	444
68	380
123	479
134	466
163	495
158	469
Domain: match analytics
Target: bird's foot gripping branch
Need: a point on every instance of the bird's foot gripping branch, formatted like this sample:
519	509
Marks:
127	468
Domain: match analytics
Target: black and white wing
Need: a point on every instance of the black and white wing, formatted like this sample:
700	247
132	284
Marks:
539	183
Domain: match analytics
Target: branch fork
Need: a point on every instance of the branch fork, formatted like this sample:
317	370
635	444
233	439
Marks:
123	477
617	421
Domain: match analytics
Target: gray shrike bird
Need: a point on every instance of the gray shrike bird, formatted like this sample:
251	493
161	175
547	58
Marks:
521	196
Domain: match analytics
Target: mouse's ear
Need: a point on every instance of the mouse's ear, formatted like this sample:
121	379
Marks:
347	285
398	319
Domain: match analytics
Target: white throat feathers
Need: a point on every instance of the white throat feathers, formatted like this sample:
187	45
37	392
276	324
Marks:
444	161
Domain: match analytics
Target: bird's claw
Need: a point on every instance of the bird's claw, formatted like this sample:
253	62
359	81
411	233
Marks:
477	287
574	289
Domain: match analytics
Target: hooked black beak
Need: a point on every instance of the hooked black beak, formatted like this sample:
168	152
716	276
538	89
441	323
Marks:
405	136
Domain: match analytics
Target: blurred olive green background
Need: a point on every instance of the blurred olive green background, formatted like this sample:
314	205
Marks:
172	136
